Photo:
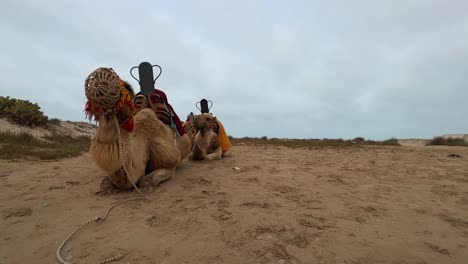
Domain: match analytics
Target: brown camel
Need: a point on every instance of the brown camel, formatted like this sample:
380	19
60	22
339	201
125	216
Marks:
206	145
185	141
191	131
127	145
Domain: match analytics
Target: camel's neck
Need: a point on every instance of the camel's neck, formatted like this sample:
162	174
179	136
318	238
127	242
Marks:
204	131
184	143
105	147
107	132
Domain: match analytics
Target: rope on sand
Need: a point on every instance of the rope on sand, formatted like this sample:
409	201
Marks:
100	219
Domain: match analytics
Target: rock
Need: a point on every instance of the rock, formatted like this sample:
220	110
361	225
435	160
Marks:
360	220
149	218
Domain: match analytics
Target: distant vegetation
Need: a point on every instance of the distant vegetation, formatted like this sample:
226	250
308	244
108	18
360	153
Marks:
24	145
440	141
23	112
55	121
313	143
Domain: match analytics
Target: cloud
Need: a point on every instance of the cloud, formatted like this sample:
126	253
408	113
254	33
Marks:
302	69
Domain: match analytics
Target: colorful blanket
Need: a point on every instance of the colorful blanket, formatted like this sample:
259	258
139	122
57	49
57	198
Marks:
223	138
176	119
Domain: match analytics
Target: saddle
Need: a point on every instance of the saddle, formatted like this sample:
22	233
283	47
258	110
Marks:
154	98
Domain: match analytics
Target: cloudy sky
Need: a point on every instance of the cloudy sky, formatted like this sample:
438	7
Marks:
305	69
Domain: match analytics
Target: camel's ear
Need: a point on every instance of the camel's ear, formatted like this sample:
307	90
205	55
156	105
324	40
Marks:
190	117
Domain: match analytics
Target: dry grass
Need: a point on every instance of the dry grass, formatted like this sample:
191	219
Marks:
314	143
20	146
440	141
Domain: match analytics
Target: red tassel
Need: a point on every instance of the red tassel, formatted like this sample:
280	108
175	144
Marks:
129	124
88	109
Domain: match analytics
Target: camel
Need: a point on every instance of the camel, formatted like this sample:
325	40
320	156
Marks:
206	142
191	131
130	146
185	141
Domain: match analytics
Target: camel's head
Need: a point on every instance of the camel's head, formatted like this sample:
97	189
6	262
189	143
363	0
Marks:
204	121
108	97
189	126
190	130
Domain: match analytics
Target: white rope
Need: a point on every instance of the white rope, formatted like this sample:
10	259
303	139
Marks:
122	159
99	219
95	219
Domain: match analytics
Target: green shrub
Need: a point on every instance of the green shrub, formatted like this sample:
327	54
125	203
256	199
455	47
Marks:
391	142
22	112
6	102
440	141
316	143
54	121
359	139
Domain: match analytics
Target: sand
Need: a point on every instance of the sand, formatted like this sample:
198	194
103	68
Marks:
355	205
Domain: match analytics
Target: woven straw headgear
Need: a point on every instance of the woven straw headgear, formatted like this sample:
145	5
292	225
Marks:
102	87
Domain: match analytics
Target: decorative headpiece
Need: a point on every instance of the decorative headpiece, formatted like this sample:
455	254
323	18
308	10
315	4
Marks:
105	92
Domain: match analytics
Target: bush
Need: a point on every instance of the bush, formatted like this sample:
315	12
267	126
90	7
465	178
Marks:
316	143
440	141
22	112
359	139
391	141
55	121
6	102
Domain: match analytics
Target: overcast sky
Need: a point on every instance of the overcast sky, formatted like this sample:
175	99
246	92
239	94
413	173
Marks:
297	69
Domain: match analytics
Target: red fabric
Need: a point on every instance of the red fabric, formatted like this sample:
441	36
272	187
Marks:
129	124
177	122
92	111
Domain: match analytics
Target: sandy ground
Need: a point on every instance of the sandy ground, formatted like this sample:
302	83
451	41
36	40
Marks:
354	205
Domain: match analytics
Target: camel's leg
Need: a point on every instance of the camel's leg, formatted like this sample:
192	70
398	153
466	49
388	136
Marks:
215	155
163	175
197	153
157	177
120	177
106	187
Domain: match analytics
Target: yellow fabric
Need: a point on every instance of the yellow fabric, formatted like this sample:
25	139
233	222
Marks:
223	138
125	99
